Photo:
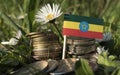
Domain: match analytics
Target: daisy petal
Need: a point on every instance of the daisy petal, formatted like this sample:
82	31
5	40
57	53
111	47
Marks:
48	13
5	43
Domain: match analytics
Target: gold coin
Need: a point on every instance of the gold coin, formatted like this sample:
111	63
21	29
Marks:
40	42
41	49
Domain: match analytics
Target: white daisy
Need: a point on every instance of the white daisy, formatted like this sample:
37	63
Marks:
13	41
22	16
101	49
106	37
48	13
19	34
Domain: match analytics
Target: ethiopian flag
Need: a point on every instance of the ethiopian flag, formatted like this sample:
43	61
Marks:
87	27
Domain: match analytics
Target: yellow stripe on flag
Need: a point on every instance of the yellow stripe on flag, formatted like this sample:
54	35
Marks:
71	25
96	28
75	25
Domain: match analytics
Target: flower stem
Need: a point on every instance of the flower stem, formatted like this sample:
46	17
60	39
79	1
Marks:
58	30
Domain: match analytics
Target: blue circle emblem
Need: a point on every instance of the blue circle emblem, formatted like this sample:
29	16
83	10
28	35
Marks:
84	26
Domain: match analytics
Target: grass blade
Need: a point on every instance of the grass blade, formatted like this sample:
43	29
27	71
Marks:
10	22
82	68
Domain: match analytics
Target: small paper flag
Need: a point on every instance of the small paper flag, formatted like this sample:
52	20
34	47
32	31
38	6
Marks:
87	27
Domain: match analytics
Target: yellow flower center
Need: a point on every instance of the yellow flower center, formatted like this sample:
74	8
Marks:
49	16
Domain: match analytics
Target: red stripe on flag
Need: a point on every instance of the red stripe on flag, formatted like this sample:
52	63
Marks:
88	34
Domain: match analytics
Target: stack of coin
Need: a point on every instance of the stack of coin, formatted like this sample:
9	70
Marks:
80	46
54	47
45	46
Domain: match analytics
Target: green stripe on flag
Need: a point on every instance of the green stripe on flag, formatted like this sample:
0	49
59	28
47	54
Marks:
90	20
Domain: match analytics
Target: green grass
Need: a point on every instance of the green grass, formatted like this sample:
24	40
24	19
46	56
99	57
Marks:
10	10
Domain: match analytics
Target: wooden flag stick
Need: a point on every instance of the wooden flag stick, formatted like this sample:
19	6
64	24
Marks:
64	47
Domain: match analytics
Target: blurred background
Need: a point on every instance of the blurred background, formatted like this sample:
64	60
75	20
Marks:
20	14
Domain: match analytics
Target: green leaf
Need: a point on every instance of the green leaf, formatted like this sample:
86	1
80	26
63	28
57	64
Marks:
64	4
116	71
107	60
10	22
33	4
82	68
75	9
26	5
10	62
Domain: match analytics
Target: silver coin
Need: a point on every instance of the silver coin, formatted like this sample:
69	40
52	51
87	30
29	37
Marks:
42	57
84	50
52	65
33	68
65	66
83	43
69	41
